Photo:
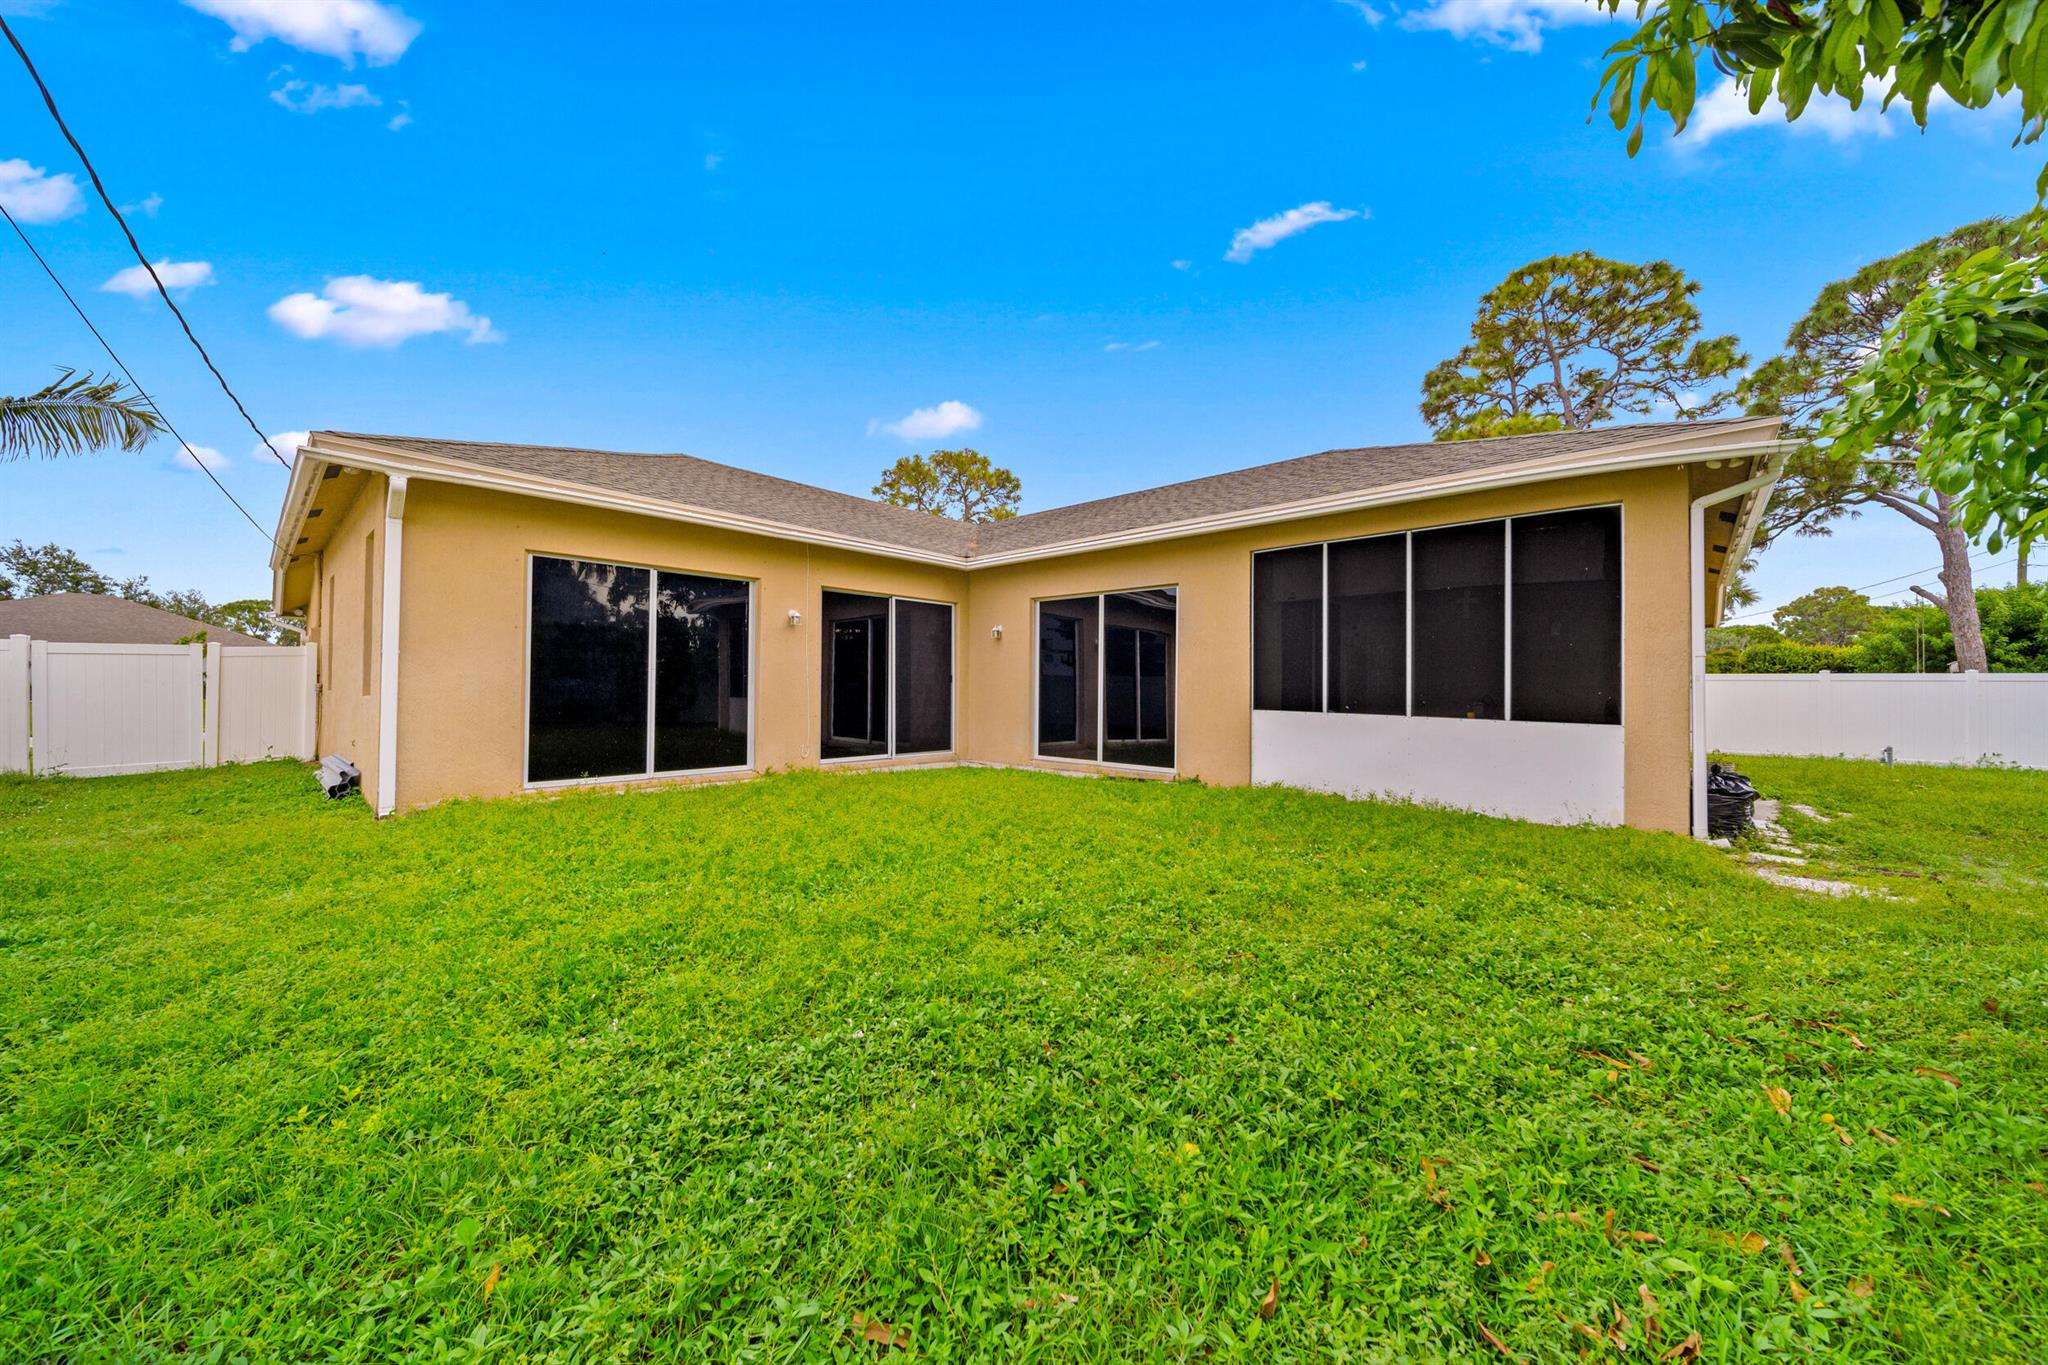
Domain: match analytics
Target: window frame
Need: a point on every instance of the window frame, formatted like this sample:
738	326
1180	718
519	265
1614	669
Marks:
892	753
650	773
1408	535
1102	597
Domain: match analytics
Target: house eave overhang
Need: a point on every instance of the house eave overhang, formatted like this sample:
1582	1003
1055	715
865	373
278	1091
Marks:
323	450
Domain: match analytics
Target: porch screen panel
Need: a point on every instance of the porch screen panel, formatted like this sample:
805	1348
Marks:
1460	621
1067	677
1287	629
1137	676
924	677
587	670
855	676
1567	617
1369	626
700	672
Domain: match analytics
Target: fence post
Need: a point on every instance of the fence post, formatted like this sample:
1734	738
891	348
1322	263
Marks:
1972	699
207	659
14	727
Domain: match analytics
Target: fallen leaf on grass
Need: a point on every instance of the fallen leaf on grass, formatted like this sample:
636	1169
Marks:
1642	1061
879	1332
1436	1196
1882	1136
1860	1286
1780	1100
1800	1293
1840	1131
1651	1327
1785	1254
490	1282
1536	1281
1652	1167
1689	1349
1496	1343
1614	1062
1942	1076
1271	1303
1480	1258
1914	1202
1748	1243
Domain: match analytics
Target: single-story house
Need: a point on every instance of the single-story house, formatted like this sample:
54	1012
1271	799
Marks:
1510	625
89	618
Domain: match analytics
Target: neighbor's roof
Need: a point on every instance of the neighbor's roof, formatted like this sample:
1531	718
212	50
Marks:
688	483
86	618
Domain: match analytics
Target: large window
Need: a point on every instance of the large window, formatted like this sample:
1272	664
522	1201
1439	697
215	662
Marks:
1106	689
873	707
1517	619
633	671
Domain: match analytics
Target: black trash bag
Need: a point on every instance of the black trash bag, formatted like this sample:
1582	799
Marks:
1730	802
338	776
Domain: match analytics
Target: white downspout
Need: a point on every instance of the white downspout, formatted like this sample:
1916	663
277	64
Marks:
387	690
1696	579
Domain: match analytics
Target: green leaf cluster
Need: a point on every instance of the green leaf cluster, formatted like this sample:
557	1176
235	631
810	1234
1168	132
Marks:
963	484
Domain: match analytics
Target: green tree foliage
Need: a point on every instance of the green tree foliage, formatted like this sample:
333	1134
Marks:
1825	616
1972	51
76	414
36	570
1907	639
1568	341
1812	380
1964	371
962	484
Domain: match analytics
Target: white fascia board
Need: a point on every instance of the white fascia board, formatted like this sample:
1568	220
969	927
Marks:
1646	455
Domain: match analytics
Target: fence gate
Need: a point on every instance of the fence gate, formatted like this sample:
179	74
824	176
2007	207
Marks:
90	710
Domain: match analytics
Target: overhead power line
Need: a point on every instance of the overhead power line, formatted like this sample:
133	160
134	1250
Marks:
1917	573
64	128
122	365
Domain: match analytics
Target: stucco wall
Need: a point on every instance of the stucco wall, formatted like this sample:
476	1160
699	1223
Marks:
1213	574
462	625
347	722
463	628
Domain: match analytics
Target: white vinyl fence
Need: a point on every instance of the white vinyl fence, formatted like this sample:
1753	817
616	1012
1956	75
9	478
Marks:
95	710
1921	717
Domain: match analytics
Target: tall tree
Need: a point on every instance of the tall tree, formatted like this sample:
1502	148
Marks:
1973	51
1569	341
1823	358
1825	616
961	484
76	414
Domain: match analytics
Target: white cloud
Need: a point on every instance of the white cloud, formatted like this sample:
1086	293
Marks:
1267	231
1183	265
1517	25
306	97
147	208
341	29
360	310
34	195
949	418
1724	109
136	284
1132	346
1372	14
1358	65
285	443
199	457
402	119
711	160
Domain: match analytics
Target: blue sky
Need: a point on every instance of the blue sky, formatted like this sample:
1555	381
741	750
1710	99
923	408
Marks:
768	234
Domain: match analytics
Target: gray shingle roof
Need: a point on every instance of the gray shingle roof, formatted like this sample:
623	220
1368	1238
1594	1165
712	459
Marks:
687	480
86	618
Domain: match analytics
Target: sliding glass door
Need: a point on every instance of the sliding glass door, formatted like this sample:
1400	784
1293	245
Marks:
887	677
633	672
1106	686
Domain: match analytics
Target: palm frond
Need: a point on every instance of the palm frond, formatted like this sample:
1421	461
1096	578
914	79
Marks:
76	414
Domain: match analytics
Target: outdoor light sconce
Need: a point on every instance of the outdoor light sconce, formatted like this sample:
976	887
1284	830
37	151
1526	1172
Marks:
796	618
995	632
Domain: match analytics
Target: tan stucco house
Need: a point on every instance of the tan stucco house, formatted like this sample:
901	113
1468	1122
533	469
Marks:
1510	625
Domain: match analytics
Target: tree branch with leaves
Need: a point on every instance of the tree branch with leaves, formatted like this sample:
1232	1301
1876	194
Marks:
962	484
76	414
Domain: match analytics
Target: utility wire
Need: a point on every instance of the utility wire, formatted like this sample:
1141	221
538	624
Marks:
1974	568
136	246
123	366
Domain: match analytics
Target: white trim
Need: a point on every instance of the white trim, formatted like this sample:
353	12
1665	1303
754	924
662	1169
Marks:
387	699
1652	452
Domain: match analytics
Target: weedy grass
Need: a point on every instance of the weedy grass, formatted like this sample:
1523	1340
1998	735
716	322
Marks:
1003	1066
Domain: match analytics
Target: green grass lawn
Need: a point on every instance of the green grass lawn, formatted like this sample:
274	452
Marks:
1023	1066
